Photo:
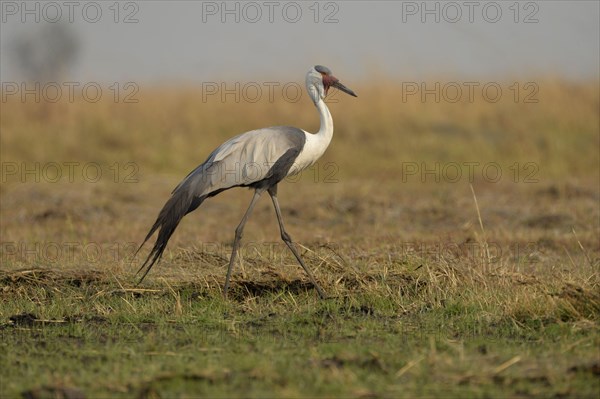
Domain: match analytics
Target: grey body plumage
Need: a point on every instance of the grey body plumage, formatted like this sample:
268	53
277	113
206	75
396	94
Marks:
250	156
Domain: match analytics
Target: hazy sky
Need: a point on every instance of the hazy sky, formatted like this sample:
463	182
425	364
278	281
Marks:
168	41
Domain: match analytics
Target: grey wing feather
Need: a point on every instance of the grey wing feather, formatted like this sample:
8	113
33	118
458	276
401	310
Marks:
242	160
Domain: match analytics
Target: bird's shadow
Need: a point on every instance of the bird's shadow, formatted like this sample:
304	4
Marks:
243	289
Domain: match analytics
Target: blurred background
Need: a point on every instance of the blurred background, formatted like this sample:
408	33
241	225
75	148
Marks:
499	95
183	41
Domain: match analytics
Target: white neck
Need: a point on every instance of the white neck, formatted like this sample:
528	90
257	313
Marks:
315	144
326	128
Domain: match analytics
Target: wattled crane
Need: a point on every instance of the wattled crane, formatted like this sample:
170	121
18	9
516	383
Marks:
263	157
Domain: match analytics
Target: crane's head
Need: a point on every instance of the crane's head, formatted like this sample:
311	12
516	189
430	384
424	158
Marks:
318	81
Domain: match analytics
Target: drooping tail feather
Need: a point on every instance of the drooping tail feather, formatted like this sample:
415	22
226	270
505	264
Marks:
180	204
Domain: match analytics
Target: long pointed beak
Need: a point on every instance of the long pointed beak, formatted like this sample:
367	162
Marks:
343	88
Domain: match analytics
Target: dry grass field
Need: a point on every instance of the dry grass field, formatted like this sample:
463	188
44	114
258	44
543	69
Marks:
459	244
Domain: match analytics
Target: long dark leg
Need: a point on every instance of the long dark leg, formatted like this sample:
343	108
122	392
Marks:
288	241
238	235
